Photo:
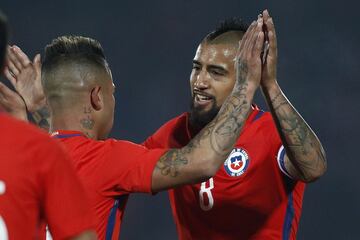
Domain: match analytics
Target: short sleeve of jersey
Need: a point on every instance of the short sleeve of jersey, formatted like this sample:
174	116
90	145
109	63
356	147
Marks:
128	167
277	149
66	207
151	143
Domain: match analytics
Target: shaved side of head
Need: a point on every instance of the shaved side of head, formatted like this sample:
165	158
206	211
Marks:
230	31
71	67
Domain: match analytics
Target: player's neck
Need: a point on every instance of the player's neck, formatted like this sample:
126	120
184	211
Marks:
81	124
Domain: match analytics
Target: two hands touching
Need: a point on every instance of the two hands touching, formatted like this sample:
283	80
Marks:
256	59
256	63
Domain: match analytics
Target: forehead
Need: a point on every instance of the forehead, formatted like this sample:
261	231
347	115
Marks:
216	54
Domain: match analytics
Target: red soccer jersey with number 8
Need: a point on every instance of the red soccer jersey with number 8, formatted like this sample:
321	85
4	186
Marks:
250	197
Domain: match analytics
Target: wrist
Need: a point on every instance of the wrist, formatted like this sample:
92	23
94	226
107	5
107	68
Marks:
36	105
269	85
252	87
19	113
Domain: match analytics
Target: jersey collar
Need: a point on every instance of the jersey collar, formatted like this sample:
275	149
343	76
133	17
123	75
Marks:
66	134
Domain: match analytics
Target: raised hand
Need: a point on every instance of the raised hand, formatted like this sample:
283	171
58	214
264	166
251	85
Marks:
248	59
305	157
25	76
270	64
12	103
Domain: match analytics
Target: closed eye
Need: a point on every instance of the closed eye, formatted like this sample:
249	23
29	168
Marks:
196	66
217	72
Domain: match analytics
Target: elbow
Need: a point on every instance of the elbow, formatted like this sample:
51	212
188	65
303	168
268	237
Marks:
209	168
317	172
204	169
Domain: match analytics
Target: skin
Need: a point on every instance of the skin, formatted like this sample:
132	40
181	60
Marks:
87	102
15	104
305	158
11	102
83	93
213	74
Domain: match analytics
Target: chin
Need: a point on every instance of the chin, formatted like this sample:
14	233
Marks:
200	116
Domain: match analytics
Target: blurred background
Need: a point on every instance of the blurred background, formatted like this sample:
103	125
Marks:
150	46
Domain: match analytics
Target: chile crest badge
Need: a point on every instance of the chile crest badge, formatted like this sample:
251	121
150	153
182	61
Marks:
237	162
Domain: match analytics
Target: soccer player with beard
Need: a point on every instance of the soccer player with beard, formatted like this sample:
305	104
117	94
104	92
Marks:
37	180
79	89
258	192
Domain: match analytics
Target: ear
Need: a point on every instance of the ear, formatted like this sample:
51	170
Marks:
96	99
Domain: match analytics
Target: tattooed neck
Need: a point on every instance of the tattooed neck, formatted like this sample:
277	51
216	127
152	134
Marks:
87	122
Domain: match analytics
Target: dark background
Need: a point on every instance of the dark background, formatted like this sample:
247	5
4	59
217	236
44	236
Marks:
150	46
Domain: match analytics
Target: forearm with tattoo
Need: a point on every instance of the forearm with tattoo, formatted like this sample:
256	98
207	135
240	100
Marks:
303	148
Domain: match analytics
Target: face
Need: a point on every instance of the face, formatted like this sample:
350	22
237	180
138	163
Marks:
212	80
107	115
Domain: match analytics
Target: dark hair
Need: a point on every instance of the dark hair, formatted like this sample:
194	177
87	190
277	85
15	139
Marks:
227	25
3	38
73	48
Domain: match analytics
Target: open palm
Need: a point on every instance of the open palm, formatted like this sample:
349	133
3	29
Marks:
25	76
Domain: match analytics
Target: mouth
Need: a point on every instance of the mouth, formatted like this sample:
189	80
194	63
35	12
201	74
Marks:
202	99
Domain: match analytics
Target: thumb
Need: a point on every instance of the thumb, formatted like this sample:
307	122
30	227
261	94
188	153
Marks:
37	60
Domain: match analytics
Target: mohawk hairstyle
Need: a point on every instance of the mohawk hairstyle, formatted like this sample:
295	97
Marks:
230	24
3	38
73	48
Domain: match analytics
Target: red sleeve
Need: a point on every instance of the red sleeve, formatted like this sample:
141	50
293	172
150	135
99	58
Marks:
128	167
65	204
276	148
151	143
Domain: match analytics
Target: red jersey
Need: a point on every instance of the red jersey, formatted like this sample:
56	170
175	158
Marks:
38	184
250	197
110	170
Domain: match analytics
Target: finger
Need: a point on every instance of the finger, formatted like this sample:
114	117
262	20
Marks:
251	34
9	76
252	39
37	62
244	38
266	15
258	47
14	70
6	92
272	37
254	36
13	59
21	56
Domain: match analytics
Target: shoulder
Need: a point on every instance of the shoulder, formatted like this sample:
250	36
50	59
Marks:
174	123
24	134
175	130
28	144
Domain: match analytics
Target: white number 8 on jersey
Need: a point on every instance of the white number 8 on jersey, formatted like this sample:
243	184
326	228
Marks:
206	191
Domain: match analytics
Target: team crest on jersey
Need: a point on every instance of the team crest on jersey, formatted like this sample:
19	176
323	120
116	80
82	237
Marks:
237	162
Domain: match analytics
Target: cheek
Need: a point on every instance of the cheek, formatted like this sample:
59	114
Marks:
192	81
223	92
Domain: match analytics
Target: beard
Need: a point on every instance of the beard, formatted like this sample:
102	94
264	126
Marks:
199	118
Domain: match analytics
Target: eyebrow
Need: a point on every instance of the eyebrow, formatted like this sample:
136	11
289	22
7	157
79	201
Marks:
212	66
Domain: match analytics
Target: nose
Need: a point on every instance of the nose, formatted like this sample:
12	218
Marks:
202	80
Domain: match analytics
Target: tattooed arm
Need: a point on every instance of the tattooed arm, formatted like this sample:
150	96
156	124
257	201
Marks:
305	157
25	76
205	153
